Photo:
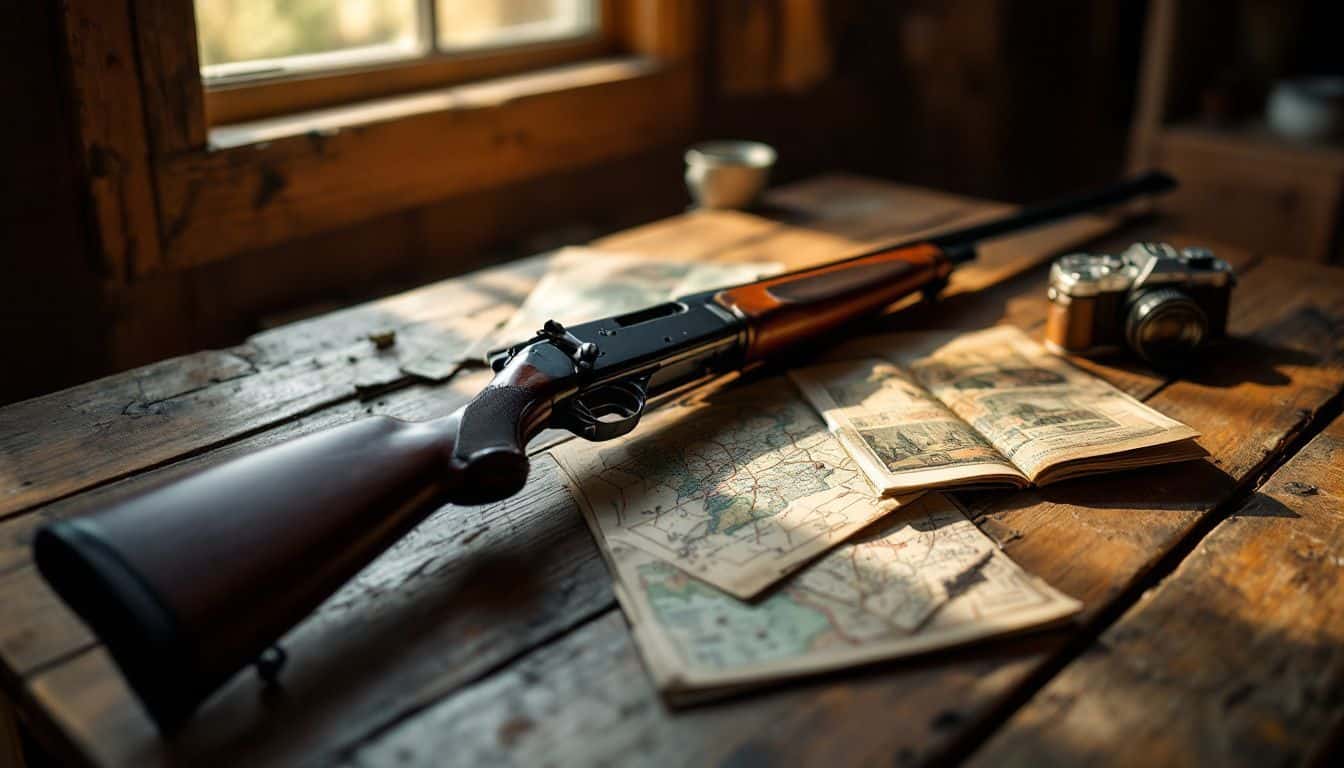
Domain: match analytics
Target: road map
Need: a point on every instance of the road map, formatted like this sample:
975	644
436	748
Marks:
709	503
923	580
738	491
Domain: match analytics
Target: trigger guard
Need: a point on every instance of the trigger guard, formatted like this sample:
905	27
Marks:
583	414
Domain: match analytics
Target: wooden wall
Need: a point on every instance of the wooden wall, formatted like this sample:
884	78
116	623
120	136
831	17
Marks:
49	290
1013	100
219	303
66	323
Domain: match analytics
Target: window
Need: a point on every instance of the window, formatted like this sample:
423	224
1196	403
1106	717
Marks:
263	57
468	24
245	39
228	126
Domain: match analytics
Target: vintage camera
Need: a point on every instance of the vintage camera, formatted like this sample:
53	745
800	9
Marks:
1161	302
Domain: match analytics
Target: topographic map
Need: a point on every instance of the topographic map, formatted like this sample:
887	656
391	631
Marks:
738	491
923	580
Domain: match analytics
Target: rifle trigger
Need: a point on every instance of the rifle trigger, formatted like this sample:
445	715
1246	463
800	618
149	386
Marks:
605	412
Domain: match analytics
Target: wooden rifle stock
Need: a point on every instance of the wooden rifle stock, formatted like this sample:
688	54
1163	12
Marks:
189	582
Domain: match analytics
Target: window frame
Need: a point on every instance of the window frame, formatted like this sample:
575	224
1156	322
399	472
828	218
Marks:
169	190
246	100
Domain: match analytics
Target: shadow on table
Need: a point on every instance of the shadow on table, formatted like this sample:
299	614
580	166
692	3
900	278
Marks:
938	708
1227	363
1187	488
1304	337
441	609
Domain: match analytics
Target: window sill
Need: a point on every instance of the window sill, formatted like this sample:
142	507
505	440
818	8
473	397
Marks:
484	94
264	182
263	98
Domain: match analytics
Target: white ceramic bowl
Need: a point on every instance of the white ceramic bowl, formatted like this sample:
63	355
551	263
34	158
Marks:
728	174
1311	108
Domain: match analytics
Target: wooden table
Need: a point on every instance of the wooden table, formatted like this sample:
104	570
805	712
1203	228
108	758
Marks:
1213	630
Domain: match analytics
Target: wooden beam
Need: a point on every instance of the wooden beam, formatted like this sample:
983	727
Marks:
279	180
1150	109
171	73
664	29
109	115
11	743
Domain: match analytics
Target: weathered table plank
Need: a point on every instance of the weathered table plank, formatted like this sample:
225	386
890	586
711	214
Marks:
1236	659
190	404
37	629
28	648
62	443
422	631
1094	539
411	677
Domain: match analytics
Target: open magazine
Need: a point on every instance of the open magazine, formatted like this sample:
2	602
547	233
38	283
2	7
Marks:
930	410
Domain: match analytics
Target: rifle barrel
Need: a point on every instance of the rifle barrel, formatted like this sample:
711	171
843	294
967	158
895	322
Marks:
962	240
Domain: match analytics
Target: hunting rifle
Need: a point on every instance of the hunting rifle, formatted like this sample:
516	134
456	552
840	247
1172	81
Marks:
191	581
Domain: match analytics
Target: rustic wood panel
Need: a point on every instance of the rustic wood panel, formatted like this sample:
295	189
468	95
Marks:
298	179
44	636
1093	540
1236	659
171	75
109	112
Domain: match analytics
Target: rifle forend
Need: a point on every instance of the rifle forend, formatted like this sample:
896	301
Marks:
192	581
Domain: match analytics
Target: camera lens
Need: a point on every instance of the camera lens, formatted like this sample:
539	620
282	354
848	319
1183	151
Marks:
1164	326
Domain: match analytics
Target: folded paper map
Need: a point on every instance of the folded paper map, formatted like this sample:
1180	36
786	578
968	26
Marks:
931	410
738	490
584	284
712	500
923	579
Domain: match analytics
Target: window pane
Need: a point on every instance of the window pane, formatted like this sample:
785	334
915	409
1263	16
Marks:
466	24
269	37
